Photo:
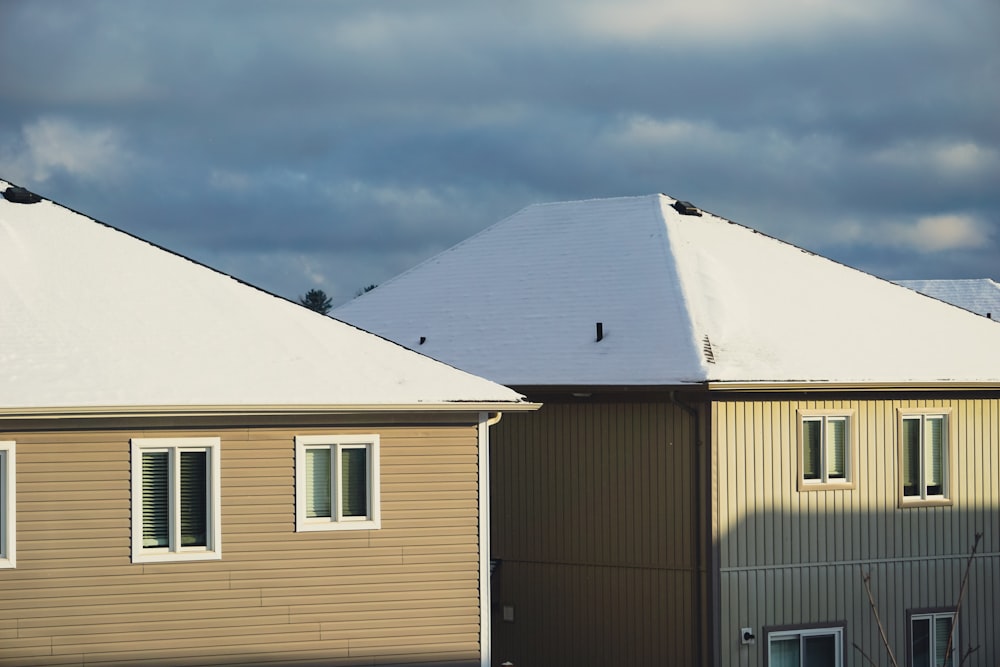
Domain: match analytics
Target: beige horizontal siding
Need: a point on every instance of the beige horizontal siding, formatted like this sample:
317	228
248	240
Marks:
406	593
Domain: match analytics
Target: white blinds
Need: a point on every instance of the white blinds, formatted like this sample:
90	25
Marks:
318	467
836	448
942	626
935	455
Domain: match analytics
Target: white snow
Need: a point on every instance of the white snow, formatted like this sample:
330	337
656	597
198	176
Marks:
518	303
93	317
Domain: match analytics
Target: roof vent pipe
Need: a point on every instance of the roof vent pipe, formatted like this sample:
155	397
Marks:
600	331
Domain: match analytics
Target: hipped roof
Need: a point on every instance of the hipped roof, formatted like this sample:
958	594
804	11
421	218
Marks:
980	295
94	319
681	299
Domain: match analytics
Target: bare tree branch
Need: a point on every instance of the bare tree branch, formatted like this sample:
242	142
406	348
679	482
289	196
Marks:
866	578
865	655
961	597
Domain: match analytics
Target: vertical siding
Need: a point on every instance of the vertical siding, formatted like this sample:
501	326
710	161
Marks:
592	517
790	557
406	593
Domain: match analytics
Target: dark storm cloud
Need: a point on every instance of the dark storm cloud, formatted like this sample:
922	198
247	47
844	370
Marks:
335	144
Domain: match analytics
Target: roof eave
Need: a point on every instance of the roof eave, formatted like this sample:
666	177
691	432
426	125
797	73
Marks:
104	412
798	386
529	389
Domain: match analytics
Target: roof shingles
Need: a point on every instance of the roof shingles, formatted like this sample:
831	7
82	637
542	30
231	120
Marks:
94	317
518	302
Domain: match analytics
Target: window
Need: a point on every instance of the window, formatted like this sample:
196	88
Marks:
337	482
928	641
7	504
176	499
806	647
923	448
825	450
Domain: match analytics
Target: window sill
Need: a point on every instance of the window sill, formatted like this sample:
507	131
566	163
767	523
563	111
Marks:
316	526
175	556
825	486
905	503
7	563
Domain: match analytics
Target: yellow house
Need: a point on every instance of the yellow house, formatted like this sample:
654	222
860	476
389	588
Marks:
196	472
735	433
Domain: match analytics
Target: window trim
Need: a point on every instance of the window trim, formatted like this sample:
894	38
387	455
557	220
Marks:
337	443
172	553
950	488
851	433
838	629
931	613
8	499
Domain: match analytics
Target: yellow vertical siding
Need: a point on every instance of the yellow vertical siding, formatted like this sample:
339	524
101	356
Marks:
790	557
406	593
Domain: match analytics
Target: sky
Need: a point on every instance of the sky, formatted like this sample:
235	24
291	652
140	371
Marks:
304	145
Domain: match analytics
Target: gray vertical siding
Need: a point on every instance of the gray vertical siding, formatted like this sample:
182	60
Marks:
791	557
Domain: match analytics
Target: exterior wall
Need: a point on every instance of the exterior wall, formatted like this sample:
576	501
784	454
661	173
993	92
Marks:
406	593
593	520
788	557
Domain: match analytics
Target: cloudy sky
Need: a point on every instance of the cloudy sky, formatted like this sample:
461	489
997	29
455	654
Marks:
331	145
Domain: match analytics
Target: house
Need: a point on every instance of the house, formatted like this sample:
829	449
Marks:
734	433
195	472
980	295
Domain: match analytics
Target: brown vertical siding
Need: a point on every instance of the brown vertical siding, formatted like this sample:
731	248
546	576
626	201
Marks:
791	557
406	593
593	520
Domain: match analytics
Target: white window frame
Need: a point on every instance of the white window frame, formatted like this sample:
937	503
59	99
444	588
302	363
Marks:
932	616
213	513
925	499
825	482
837	631
8	497
337	444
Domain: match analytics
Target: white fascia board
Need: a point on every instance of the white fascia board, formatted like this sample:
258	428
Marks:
852	386
257	410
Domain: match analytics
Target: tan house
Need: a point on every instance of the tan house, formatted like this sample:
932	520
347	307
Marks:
735	431
196	472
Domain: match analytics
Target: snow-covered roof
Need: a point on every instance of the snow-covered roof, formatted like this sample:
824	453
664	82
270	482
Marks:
980	295
92	317
681	299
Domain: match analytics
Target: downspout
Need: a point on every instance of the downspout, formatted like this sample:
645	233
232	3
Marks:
700	590
485	601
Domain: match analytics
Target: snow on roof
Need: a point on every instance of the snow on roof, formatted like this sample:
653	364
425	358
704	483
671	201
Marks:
94	317
980	295
681	299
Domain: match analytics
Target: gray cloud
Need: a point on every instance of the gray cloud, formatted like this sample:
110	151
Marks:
332	145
